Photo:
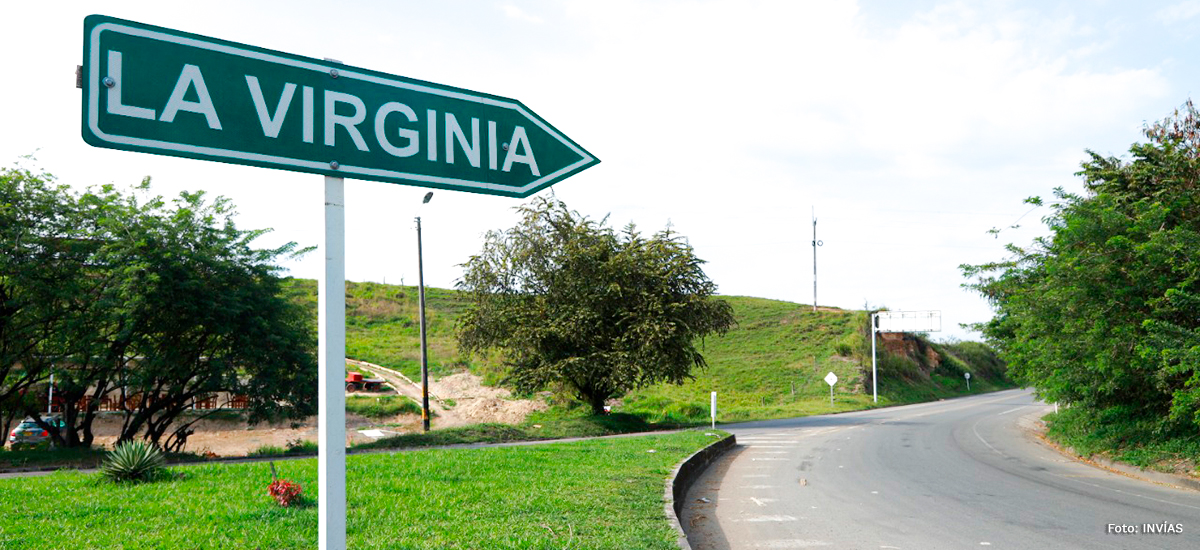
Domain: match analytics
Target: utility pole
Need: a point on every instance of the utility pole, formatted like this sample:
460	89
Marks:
424	343
815	244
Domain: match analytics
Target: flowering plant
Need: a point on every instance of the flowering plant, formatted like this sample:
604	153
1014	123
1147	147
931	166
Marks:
284	491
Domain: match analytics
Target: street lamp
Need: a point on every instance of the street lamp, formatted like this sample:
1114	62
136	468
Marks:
424	345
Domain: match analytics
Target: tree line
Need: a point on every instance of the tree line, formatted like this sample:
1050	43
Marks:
1103	314
162	302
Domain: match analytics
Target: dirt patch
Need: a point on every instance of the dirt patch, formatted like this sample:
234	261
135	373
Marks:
225	437
476	403
473	402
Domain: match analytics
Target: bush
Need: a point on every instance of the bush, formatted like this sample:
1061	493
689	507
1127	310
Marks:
267	450
382	407
301	447
285	492
133	461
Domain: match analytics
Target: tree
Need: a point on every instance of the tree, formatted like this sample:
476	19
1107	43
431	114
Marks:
43	259
576	304
165	302
1105	312
203	313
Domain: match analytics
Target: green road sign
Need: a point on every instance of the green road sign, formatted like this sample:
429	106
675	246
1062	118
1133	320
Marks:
167	92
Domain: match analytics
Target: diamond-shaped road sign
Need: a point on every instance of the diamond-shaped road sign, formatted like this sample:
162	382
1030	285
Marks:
831	379
168	92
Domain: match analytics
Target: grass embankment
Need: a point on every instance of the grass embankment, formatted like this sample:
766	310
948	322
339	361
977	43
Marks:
778	346
589	494
1126	436
382	326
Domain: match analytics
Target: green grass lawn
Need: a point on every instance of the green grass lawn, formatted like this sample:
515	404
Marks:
589	494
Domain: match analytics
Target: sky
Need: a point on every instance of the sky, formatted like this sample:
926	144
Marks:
908	128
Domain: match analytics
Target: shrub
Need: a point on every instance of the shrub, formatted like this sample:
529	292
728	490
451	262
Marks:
285	492
381	407
301	446
133	461
267	450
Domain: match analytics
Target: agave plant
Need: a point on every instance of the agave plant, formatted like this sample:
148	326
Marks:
133	461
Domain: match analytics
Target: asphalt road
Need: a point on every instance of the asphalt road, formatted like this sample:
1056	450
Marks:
962	473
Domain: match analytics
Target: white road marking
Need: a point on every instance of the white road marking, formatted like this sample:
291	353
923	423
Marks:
989	445
761	519
795	543
762	501
1011	410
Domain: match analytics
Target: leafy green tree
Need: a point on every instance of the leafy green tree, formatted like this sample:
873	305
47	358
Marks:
203	313
1105	312
43	268
575	304
164	303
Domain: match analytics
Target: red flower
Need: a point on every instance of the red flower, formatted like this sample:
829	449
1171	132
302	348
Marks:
284	492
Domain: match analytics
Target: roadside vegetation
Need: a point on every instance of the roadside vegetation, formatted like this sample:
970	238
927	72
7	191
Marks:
384	406
753	366
1103	315
773	365
588	495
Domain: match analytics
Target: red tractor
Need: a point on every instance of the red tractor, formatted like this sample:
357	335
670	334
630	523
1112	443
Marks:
356	382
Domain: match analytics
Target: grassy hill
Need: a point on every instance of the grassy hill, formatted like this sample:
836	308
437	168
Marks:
382	327
771	365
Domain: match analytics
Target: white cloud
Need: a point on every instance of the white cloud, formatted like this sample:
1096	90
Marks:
1181	11
514	12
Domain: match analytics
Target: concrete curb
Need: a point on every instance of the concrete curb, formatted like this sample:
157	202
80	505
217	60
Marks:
684	476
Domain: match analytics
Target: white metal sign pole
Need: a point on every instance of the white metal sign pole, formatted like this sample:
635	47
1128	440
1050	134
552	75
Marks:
874	372
331	389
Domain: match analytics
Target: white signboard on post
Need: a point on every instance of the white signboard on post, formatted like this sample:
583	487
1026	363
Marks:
899	321
909	321
831	379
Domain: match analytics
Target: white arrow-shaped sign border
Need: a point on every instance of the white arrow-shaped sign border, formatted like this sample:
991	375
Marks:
322	167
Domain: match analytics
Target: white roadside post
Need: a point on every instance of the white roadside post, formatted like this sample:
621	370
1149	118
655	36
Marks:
331	389
874	370
968	375
831	379
712	410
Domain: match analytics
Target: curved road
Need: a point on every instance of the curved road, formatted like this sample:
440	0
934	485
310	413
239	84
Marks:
963	473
